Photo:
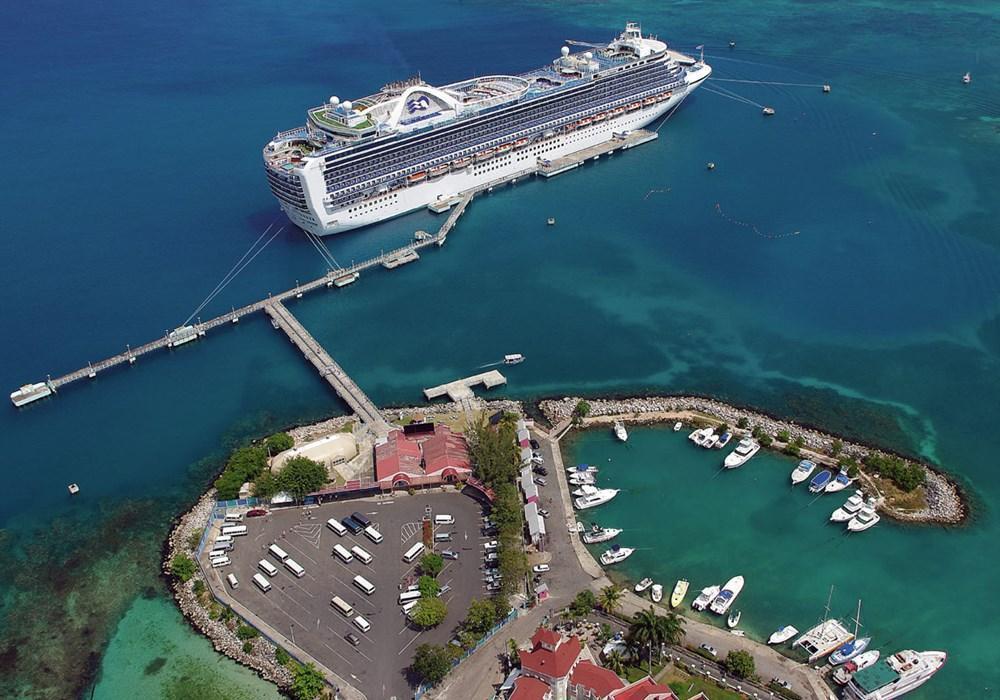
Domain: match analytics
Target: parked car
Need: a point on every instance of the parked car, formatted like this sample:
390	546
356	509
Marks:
256	512
444	589
540	568
544	513
449	554
710	649
534	444
352	638
539	469
540	481
490	546
781	683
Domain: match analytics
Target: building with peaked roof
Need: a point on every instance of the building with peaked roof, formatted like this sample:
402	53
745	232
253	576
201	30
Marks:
592	682
528	688
643	689
431	457
551	660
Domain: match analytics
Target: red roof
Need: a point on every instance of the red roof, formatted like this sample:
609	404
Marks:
644	689
543	635
528	688
422	454
600	680
555	663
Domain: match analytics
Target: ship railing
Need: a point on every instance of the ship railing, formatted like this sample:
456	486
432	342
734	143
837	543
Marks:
290	133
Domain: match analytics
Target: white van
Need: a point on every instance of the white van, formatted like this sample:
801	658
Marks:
413	552
361	554
408	596
335	525
234	582
296	570
342	553
277	552
234	530
409	606
267	567
261	583
234	517
362	624
219	562
216	553
364	584
342	606
221	539
443	519
224	546
373	534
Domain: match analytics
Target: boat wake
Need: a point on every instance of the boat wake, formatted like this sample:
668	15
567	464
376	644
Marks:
763	234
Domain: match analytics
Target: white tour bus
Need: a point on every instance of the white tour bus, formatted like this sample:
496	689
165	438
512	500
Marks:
341	606
267	567
234	530
216	553
292	566
362	554
220	562
413	552
409	606
373	534
362	624
343	554
364	584
443	519
224	545
407	596
335	525
234	582
261	583
234	517
277	552
224	538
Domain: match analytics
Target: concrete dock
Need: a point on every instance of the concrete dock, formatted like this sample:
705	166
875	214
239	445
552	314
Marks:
555	167
461	389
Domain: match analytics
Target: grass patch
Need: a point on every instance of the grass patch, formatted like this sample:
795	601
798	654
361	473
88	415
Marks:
348	427
687	686
895	497
634	673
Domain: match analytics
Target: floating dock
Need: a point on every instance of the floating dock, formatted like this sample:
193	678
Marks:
461	389
551	168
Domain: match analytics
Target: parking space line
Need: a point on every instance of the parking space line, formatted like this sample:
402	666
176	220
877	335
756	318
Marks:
301	552
409	643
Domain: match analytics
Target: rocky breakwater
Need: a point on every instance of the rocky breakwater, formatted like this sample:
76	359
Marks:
203	612
943	501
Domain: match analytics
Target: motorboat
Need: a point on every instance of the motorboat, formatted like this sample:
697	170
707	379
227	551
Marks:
620	431
616	555
820	481
738	633
866	518
680	590
582	469
698	437
745	450
768	111
586	490
849	651
802	471
514	359
723	440
582	479
598	499
839	482
843	675
782	635
705	597
734	619
727	596
850	508
656	593
967	78
643	585
677	426
601	534
895	676
710	442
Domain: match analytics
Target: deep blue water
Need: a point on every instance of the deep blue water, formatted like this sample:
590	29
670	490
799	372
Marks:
132	136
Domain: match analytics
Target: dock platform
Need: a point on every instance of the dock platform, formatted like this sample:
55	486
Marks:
461	389
575	160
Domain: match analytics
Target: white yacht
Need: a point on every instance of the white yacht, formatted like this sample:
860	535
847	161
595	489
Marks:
802	471
599	534
597	499
746	449
616	555
844	674
581	469
710	442
727	596
620	431
839	482
866	518
656	593
849	509
30	392
580	479
643	585
698	437
848	651
705	597
586	490
734	619
895	676
782	635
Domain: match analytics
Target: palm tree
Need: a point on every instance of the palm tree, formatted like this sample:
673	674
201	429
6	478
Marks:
616	663
610	599
649	630
672	628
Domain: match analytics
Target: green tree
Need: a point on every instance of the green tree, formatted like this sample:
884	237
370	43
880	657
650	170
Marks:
740	663
281	656
243	465
616	663
783	435
836	448
194	539
428	586
301	476
583	603
265	485
307	682
610	599
183	567
246	632
513	657
765	440
279	442
431	564
481	617
582	409
429	612
742	423
431	663
247	647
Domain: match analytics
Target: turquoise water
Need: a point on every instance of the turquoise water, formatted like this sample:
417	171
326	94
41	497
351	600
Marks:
132	136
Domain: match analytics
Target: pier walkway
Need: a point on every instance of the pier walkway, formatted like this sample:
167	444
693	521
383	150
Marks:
333	373
461	389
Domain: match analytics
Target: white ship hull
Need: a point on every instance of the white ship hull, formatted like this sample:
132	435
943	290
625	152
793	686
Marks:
499	168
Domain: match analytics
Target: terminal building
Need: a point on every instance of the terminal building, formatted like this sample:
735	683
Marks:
422	454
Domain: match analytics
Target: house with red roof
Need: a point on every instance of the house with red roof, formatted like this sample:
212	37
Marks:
592	682
429	457
528	688
643	689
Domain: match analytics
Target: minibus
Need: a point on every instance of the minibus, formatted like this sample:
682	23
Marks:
362	554
220	561
235	530
297	570
234	517
261	583
407	596
361	519
443	519
224	538
343	554
442	537
334	525
341	606
362	624
409	606
277	552
267	567
413	552
373	534
234	582
364	584
352	525
216	553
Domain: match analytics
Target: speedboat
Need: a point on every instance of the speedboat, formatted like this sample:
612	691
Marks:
580	478
768	111
967	78
849	651
515	359
586	490
680	590
839	482
734	619
849	509
581	469
895	676
746	449
866	518
802	471
616	555
656	593
643	585
710	441
705	597
598	534
723	440
597	499
844	674
727	596
782	635
620	431
677	426
698	437
820	481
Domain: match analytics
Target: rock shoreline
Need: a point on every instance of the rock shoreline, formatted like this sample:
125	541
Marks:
945	502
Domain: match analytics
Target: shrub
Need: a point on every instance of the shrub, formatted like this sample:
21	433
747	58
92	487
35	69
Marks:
281	656
581	410
782	436
765	440
906	475
199	586
246	632
742	423
279	442
836	448
194	539
183	567
428	586
243	465
247	647
583	603
307	682
740	664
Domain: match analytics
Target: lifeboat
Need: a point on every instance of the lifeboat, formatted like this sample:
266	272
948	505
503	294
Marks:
414	178
649	101
570	127
600	117
584	122
438	170
617	111
461	163
484	155
520	143
634	106
504	149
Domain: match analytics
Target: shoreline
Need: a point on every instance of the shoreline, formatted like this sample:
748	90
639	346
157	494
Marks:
946	503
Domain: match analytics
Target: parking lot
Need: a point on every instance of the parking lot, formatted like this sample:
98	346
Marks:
299	607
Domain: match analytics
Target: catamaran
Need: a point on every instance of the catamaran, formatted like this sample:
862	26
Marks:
802	471
746	449
849	509
727	596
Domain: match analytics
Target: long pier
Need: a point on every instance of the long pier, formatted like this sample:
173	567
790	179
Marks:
274	306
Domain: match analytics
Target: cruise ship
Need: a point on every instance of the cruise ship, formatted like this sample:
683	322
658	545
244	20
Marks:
358	162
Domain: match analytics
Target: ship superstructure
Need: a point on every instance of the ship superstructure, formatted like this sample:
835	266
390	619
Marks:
358	162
